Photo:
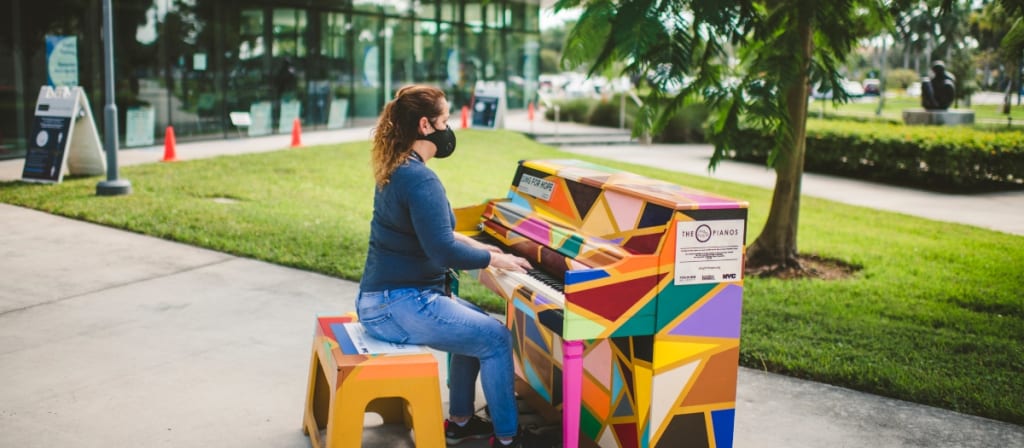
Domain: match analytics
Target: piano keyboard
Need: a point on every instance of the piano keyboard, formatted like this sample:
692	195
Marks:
535	279
539	287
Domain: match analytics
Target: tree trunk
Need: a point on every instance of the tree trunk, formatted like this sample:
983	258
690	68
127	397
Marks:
777	244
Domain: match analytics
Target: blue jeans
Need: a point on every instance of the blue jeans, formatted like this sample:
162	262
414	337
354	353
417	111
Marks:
478	343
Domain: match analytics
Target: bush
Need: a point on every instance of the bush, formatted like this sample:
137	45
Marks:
549	60
901	78
572	110
940	158
687	126
607	112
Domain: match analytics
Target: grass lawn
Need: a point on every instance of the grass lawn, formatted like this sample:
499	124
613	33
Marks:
935	316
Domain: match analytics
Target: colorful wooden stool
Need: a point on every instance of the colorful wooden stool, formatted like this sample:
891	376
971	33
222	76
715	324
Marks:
351	374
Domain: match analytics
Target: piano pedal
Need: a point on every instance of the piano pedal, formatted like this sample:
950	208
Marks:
522	407
549	434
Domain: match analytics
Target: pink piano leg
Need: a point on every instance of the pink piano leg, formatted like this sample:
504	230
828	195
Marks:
572	387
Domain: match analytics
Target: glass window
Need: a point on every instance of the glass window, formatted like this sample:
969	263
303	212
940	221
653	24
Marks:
250	31
399	55
289	29
333	35
532	17
472	65
368	65
426	9
515	15
491	55
428	56
452	65
189	74
522	65
398	7
335	82
492	14
366	5
451	11
474	11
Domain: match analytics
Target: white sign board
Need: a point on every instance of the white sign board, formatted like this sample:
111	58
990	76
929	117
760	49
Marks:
536	187
63	138
260	118
489	105
709	251
140	126
289	112
338	114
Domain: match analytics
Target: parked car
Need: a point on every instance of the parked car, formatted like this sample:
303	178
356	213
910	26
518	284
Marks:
853	90
872	87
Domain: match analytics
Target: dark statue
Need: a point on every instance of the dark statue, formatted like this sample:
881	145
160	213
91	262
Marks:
938	92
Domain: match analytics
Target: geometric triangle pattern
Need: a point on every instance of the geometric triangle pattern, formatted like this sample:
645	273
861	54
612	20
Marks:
659	360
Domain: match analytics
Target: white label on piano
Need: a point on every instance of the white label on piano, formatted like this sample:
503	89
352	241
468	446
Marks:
709	251
536	187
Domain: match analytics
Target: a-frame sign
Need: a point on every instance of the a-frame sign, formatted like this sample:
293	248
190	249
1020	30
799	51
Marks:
63	138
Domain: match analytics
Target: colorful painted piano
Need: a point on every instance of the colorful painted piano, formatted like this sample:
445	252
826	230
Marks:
629	325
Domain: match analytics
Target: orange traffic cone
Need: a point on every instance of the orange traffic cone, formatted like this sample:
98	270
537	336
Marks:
170	154
529	111
465	117
296	133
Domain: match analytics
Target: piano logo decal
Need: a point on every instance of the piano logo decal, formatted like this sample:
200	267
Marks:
709	251
536	187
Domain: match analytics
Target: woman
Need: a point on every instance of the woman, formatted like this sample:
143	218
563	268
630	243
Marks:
412	246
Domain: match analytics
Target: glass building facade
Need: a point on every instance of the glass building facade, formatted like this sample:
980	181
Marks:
191	63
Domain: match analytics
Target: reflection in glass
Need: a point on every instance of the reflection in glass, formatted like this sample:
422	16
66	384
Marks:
367	55
401	58
193	62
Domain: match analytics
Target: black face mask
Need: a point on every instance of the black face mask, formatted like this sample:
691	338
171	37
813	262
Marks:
443	139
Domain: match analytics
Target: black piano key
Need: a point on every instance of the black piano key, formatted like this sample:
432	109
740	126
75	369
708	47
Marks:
546	279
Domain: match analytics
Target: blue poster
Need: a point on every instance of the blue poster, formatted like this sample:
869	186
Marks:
61	60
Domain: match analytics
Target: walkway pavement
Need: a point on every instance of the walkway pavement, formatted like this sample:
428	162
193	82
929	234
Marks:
110	338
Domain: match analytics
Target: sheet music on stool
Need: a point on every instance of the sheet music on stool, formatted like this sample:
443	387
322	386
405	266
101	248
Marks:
366	344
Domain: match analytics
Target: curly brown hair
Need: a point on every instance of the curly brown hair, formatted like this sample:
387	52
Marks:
396	128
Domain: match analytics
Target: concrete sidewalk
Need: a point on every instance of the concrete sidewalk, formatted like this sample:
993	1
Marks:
110	338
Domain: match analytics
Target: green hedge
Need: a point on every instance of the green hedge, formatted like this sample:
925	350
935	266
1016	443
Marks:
577	111
687	126
951	158
940	158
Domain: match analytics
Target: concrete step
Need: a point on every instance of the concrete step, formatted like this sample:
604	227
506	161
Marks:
618	138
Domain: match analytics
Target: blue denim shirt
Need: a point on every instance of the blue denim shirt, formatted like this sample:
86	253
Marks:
411	239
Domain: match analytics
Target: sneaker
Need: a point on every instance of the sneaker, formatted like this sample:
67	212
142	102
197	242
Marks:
475	428
525	439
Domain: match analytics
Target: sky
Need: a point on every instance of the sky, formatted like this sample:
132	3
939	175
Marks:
548	18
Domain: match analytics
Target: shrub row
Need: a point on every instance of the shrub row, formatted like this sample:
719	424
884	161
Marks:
687	126
954	159
939	158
